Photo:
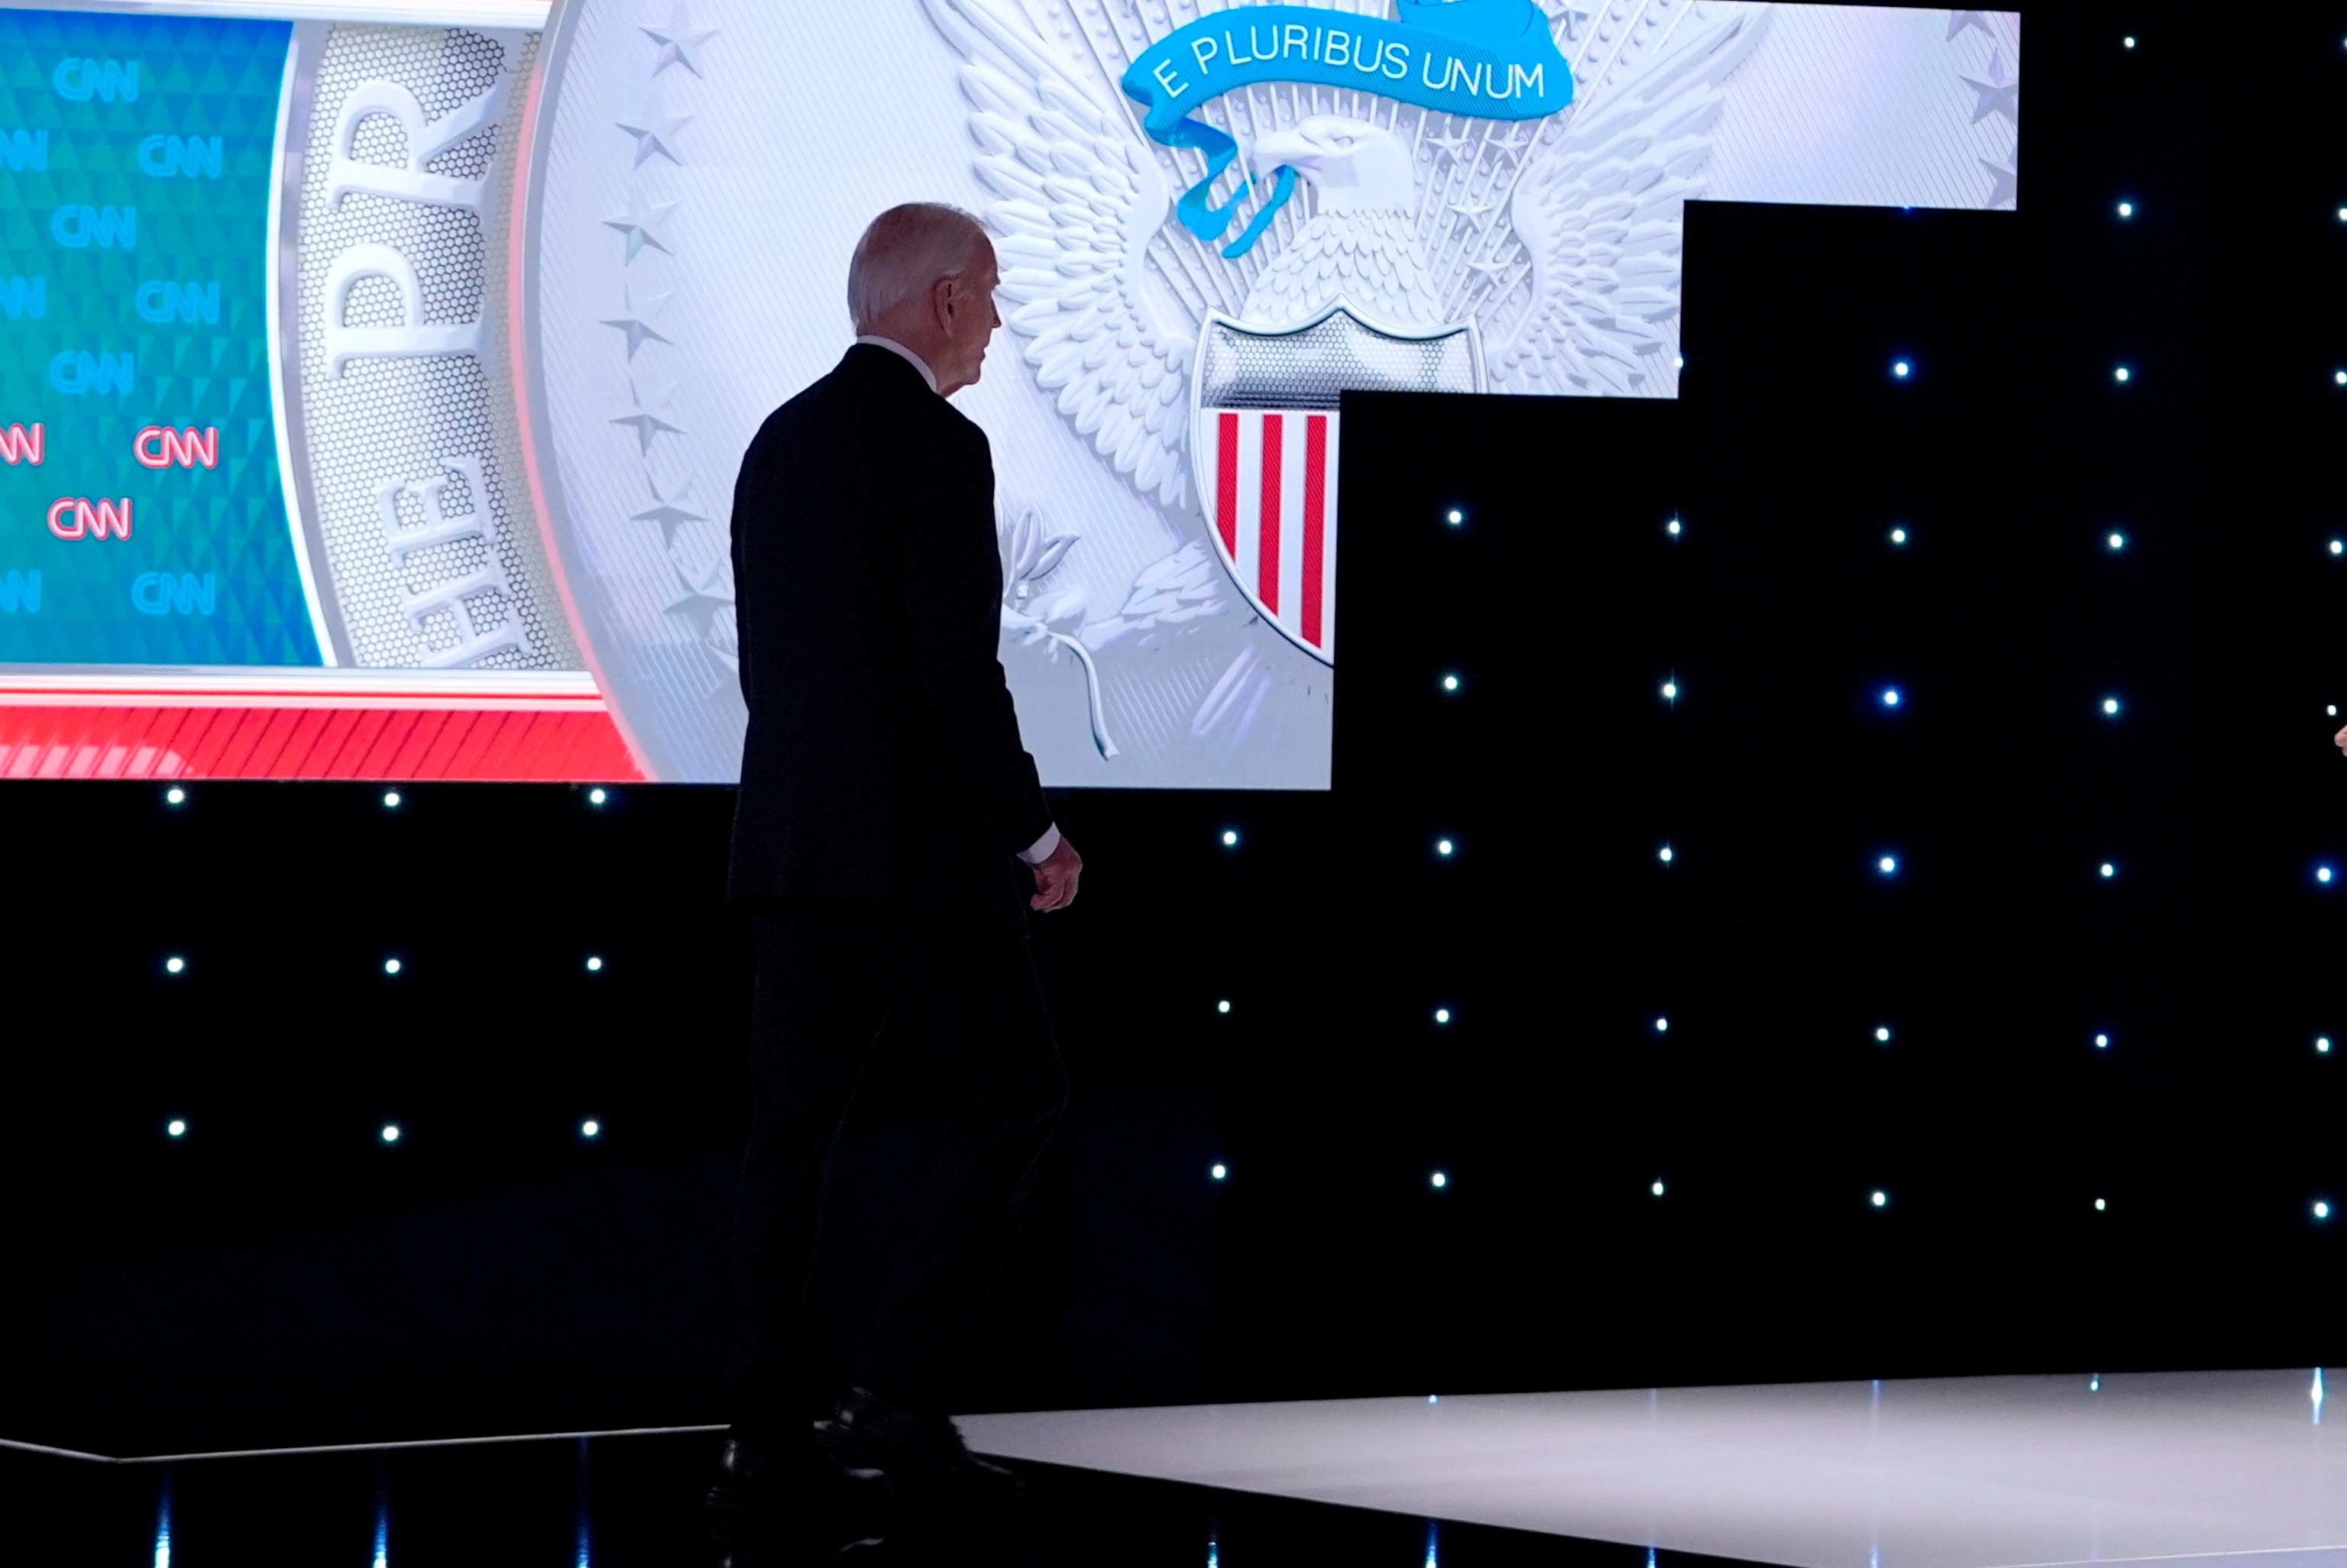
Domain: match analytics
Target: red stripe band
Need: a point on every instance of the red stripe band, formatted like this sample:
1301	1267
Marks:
1267	556
1316	532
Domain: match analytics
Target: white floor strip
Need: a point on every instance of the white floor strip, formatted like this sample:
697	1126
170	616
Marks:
1976	1473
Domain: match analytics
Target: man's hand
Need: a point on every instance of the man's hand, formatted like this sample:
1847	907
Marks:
2341	738
1055	878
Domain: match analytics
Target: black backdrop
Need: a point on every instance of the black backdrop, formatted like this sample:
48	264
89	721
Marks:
280	1275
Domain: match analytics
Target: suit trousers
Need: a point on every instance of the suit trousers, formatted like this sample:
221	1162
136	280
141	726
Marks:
956	1005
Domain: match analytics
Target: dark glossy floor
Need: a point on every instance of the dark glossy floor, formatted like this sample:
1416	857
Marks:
633	1502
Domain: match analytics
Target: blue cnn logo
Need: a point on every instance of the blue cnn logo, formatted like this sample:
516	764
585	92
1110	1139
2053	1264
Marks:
184	157
23	296
172	594
108	228
75	372
163	300
79	80
25	151
20	594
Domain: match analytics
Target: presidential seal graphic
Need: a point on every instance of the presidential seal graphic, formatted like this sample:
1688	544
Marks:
1213	221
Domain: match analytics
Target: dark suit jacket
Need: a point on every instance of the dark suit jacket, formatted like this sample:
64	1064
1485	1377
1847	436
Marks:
883	763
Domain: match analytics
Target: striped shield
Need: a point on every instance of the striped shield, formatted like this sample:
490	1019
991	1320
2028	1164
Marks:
1264	448
1274	499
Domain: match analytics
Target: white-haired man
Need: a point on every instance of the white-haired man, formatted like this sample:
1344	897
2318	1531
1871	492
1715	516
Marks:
886	806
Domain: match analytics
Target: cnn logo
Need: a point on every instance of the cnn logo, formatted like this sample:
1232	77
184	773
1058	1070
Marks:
78	517
161	446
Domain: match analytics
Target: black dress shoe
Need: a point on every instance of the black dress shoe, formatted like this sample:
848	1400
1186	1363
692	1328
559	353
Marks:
793	1498
923	1455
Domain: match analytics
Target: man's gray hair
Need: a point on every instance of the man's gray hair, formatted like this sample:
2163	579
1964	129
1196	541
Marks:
905	252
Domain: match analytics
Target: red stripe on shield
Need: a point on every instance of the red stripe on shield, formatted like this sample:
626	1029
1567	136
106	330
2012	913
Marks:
1267	551
1226	483
1315	508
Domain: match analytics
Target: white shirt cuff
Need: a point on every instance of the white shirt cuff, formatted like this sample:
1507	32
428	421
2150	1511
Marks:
1036	853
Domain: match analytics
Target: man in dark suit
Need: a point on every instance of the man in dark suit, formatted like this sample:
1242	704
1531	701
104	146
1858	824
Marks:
886	806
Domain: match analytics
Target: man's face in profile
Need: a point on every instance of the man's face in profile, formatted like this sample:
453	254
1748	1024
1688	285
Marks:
973	318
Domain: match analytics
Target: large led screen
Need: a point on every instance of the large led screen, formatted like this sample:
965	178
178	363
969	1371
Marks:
375	392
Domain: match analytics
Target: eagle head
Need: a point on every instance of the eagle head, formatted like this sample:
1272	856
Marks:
1355	166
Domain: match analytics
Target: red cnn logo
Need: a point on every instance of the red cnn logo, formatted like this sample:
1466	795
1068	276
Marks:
18	444
87	520
161	446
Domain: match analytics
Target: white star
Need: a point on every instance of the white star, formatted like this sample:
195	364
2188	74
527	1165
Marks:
647	425
1472	212
2007	187
640	332
639	326
1491	269
671	510
640	223
677	40
1996	99
1449	144
655	133
1959	20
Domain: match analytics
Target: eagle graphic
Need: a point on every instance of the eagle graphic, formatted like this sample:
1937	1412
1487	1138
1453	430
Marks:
1558	241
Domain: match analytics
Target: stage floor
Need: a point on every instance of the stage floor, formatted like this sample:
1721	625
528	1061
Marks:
1966	1473
2227	1470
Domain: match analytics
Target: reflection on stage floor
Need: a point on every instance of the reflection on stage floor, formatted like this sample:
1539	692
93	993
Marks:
633	1502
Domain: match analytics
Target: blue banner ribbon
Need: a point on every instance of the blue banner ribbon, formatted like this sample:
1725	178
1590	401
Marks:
1494	59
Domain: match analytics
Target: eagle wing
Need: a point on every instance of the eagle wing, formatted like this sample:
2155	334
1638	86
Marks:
1077	199
1601	213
